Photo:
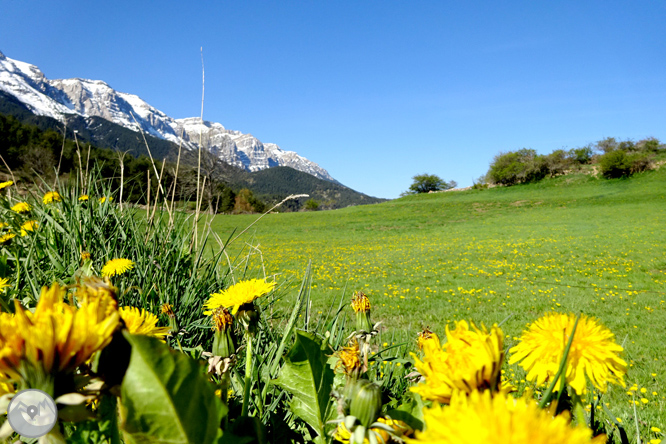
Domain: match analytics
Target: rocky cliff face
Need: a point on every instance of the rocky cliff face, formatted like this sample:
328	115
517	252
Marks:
58	98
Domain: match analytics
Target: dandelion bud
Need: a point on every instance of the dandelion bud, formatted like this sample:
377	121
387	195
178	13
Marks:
167	309
224	344
366	403
361	305
248	316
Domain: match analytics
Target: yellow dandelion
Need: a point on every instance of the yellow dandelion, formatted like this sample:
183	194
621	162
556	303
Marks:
242	293
99	291
480	418
349	359
593	352
6	237
470	359
167	309
222	319
141	322
4	185
56	337
83	198
400	429
117	266
51	196
30	225
104	198
85	256
4	284
21	207
424	336
360	302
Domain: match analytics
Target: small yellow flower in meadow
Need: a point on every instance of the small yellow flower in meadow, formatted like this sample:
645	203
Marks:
593	352
222	319
242	293
498	419
470	359
103	199
142	322
21	207
644	400
6	237
4	185
51	196
167	309
29	225
117	266
360	303
4	283
655	441
83	198
349	359
85	256
655	429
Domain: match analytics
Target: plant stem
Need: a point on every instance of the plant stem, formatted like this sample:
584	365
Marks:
248	375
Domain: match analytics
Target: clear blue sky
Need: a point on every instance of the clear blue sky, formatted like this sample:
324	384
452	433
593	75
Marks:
373	91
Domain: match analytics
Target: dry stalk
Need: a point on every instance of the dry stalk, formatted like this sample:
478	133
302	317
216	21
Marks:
199	189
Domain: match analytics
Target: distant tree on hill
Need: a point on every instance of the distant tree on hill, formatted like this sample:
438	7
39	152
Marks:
425	183
515	167
311	205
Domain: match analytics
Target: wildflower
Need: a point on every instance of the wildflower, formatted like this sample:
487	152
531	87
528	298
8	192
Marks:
497	419
244	292
224	340
4	185
4	283
83	198
30	225
51	196
117	266
103	199
593	352
100	291
426	336
6	237
85	256
57	337
21	207
142	322
361	305
655	429
470	359
400	429
349	360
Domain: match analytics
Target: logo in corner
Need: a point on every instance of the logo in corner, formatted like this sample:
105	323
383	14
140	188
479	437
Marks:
32	413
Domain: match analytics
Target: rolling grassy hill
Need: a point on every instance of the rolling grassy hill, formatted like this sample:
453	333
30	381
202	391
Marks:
570	244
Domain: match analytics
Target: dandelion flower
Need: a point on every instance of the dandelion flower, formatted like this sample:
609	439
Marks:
4	185
51	196
593	352
117	266
4	283
237	295
349	359
30	225
85	256
104	198
57	337
6	237
425	336
360	303
470	359
21	207
83	198
142	322
482	418
400	429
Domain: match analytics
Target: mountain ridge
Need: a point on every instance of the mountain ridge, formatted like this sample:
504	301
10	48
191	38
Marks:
63	98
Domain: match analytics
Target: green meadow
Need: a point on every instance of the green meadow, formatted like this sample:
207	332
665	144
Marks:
569	244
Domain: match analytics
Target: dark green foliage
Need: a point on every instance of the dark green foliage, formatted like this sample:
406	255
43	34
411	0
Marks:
558	162
615	164
426	183
581	156
515	167
311	205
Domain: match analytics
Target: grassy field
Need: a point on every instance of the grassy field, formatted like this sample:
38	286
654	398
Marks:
569	244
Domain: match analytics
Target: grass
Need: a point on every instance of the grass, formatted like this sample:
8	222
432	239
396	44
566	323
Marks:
569	244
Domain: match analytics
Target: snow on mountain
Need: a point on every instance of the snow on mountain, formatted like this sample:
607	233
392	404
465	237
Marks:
61	97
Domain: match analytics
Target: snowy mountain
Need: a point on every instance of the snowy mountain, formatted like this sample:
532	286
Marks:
94	98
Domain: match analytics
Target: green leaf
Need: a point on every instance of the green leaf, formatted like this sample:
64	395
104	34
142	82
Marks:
309	379
166	398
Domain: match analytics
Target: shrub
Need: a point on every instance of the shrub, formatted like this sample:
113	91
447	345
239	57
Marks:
311	205
615	164
558	162
520	166
639	162
425	183
581	156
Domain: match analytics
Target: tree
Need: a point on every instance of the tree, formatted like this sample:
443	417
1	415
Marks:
425	183
311	205
521	166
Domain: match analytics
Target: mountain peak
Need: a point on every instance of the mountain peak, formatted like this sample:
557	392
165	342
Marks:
96	98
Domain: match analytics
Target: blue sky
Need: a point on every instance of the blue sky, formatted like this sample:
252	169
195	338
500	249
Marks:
373	91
